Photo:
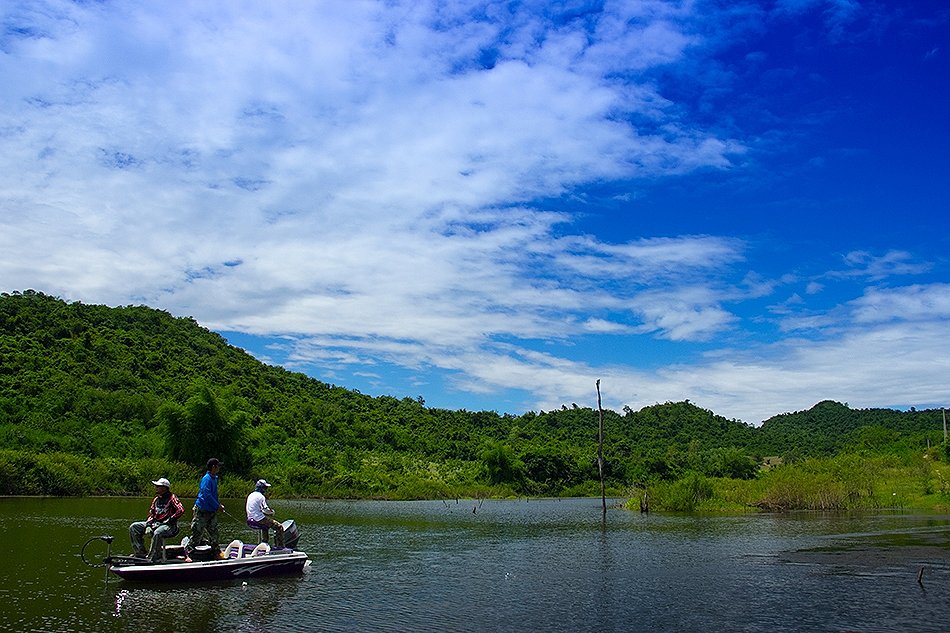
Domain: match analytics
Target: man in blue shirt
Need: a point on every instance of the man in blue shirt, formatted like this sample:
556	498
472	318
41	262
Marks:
204	522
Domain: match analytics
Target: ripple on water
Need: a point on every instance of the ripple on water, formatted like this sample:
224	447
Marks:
509	566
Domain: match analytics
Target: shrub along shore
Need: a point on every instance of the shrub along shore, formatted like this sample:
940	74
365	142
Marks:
842	483
836	484
59	474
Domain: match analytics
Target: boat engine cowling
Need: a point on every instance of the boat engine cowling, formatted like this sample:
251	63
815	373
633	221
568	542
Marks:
291	534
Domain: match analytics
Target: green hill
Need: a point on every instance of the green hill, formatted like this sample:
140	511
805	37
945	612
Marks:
97	399
830	427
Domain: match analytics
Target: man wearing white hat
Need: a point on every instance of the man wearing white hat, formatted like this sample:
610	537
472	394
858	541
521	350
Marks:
162	521
259	516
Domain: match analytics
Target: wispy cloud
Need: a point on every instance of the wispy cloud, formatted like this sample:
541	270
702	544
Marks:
877	267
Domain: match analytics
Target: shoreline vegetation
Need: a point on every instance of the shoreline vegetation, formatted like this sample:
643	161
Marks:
98	400
843	483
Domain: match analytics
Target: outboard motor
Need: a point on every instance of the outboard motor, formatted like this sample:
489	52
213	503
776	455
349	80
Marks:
291	534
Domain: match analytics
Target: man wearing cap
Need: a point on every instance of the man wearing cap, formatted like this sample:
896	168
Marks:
259	516
162	521
204	522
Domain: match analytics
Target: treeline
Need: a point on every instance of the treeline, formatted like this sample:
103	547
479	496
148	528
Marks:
103	391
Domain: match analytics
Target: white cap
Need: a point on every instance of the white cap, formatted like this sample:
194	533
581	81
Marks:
261	483
161	481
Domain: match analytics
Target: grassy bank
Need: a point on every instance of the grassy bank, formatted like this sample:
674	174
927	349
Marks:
842	483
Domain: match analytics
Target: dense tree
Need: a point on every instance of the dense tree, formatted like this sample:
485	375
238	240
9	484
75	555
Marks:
99	383
501	465
202	428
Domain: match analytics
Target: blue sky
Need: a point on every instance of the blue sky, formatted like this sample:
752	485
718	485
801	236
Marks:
492	205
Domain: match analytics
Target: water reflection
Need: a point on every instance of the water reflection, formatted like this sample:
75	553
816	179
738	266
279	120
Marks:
243	606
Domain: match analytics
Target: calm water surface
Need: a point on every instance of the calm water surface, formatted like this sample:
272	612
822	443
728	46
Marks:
545	565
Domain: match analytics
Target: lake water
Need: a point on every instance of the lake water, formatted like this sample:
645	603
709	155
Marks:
539	565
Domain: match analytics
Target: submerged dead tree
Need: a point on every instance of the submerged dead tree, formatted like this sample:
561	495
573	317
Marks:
600	452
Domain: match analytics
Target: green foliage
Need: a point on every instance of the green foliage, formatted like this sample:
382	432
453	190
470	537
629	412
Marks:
719	462
549	470
203	428
62	474
730	462
501	465
845	482
682	495
830	428
95	399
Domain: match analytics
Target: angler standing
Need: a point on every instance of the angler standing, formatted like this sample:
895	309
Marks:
204	523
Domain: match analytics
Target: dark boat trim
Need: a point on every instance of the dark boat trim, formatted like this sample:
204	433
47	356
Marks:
227	569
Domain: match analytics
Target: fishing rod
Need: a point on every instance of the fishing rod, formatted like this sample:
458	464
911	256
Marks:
108	559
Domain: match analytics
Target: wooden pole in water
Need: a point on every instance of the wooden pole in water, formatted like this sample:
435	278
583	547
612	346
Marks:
600	452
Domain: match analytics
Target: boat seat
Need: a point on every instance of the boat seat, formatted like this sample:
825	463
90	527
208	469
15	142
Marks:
172	551
262	549
235	549
167	537
258	530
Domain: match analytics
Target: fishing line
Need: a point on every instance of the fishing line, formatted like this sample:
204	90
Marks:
230	515
247	528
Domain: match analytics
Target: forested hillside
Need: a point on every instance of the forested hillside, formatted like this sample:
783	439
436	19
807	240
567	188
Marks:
89	392
831	427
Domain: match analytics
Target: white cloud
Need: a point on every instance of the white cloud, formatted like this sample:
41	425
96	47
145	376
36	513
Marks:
686	313
317	184
362	177
196	134
910	303
864	367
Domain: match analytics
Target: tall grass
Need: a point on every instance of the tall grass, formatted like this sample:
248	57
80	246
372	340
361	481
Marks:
683	495
842	483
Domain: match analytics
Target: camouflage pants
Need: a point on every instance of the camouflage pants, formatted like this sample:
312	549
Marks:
266	524
204	529
137	532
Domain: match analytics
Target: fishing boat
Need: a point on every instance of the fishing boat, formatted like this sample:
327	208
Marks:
240	561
